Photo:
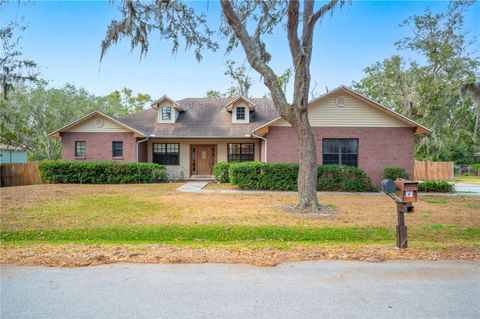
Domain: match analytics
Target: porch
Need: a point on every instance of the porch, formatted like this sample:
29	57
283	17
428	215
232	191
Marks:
194	158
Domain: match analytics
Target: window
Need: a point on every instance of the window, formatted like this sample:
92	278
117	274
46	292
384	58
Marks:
240	113
166	154
117	149
340	151
80	149
166	113
241	152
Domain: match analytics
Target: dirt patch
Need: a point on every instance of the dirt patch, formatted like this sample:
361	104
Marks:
75	255
323	211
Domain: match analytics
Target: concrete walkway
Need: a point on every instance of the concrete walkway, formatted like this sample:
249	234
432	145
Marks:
197	187
320	289
470	188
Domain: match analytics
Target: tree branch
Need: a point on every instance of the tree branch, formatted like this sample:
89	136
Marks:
321	12
292	27
252	51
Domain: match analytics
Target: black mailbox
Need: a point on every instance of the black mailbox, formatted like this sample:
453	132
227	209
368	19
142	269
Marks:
388	186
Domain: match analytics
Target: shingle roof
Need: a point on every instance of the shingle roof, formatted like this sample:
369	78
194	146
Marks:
203	117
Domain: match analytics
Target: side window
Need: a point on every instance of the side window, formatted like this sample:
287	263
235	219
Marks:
80	149
340	151
117	149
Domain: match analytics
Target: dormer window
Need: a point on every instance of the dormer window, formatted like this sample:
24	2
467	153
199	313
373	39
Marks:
240	107
166	113
240	113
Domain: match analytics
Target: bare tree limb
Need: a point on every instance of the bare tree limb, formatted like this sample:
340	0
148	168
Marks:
252	52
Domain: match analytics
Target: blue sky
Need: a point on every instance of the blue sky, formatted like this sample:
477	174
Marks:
64	39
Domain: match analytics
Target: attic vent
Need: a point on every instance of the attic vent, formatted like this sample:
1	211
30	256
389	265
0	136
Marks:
99	122
341	101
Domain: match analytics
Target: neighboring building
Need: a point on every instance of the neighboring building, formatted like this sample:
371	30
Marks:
190	135
12	154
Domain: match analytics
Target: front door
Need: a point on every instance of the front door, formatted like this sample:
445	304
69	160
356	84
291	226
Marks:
203	158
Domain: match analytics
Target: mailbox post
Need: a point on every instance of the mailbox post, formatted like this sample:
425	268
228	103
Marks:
404	193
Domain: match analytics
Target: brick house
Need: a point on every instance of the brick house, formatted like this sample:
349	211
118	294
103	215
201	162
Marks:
190	135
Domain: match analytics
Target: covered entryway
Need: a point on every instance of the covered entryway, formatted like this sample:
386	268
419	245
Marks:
202	159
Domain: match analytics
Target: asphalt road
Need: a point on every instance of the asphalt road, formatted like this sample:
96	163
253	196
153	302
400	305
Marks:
323	289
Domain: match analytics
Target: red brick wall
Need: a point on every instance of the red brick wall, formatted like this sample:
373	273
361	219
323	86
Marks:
378	148
142	151
98	146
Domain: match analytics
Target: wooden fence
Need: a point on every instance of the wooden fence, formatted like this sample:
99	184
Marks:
19	174
433	171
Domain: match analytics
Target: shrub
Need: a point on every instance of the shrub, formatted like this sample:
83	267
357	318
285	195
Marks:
283	176
343	178
395	172
101	172
220	171
435	187
476	168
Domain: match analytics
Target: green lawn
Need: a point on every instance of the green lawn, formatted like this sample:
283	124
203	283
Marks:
467	180
72	220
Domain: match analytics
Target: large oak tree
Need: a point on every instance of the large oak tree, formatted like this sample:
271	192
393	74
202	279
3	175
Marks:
245	23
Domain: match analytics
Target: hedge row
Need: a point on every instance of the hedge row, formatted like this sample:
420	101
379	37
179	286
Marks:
283	176
220	171
435	187
101	172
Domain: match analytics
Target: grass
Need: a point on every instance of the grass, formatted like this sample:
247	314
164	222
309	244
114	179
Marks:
221	233
467	180
74	217
85	206
207	233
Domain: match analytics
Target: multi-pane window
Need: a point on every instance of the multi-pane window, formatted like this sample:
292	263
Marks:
117	149
241	152
342	151
240	113
80	149
166	153
166	113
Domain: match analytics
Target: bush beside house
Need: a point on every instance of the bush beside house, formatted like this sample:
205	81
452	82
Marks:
220	171
435	187
395	172
101	172
283	176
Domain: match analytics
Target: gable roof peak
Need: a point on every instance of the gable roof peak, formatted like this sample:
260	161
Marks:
231	103
155	104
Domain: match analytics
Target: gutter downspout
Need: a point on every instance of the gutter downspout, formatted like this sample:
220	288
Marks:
138	142
265	140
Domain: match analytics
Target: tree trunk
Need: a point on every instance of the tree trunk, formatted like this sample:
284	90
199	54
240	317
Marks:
307	155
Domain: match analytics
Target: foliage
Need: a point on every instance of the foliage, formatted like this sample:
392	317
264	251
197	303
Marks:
283	176
395	172
429	92
214	94
32	112
174	20
13	67
243	82
220	171
101	172
435	187
343	178
476	168
124	102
